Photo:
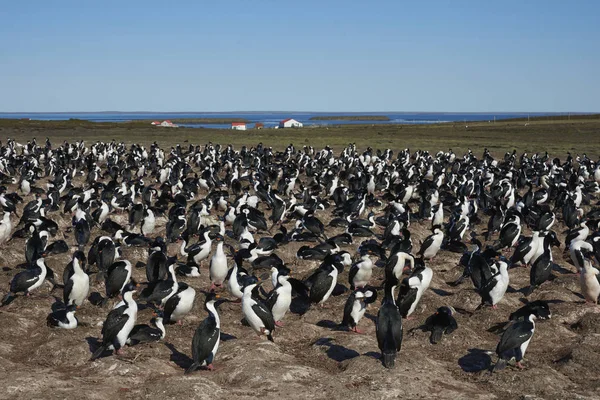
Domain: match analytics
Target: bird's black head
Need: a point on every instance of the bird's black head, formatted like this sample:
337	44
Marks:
248	280
130	287
211	297
71	308
445	310
79	255
283	270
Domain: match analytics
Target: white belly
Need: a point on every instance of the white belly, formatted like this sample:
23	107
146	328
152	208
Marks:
253	320
218	269
358	311
589	286
498	291
185	305
148	226
284	300
124	333
330	290
72	322
81	288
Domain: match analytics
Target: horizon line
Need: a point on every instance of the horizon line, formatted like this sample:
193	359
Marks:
289	111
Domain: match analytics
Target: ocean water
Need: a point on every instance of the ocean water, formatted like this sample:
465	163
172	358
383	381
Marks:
271	119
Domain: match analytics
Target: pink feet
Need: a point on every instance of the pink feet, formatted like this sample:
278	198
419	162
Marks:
180	323
521	366
210	367
495	307
279	324
120	352
356	330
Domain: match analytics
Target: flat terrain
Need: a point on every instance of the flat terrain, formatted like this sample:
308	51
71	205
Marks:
311	358
555	136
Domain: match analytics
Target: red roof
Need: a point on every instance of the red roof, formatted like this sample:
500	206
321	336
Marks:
286	120
168	121
238	123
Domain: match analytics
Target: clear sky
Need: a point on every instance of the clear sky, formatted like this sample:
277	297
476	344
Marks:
300	55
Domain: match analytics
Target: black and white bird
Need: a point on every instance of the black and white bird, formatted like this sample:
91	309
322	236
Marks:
218	265
389	324
77	287
440	323
432	244
118	324
589	280
205	343
280	298
64	318
143	333
180	304
27	281
117	277
514	342
493	289
356	306
413	287
159	292
361	272
256	313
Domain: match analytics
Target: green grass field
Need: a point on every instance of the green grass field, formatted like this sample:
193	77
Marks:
578	135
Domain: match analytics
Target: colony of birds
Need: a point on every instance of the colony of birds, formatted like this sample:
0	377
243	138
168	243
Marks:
232	212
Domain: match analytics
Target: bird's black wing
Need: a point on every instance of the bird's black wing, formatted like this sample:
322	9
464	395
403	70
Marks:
352	274
170	306
204	340
320	287
115	321
67	290
406	301
426	244
514	336
271	299
265	315
346	321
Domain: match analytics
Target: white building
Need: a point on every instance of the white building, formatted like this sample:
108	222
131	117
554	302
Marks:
167	123
240	126
290	123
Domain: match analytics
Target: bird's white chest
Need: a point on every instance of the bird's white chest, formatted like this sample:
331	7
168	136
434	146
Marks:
186	302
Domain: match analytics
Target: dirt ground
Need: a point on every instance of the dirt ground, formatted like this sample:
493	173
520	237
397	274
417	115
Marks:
310	358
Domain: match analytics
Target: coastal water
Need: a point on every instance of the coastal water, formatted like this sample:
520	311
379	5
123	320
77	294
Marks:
271	119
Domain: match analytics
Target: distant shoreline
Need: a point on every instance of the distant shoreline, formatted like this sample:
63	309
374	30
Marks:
351	118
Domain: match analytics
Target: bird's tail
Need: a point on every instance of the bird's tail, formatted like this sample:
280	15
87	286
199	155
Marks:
389	351
389	358
436	335
8	299
98	353
270	337
500	365
192	368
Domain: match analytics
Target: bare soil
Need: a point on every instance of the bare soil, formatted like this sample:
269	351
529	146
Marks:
310	358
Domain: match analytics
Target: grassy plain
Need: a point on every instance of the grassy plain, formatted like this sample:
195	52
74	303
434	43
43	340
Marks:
557	136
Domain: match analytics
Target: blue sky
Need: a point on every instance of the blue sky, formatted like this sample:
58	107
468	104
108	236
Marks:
300	56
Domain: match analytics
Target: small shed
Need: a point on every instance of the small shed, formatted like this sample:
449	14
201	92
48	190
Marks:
240	126
290	123
167	123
